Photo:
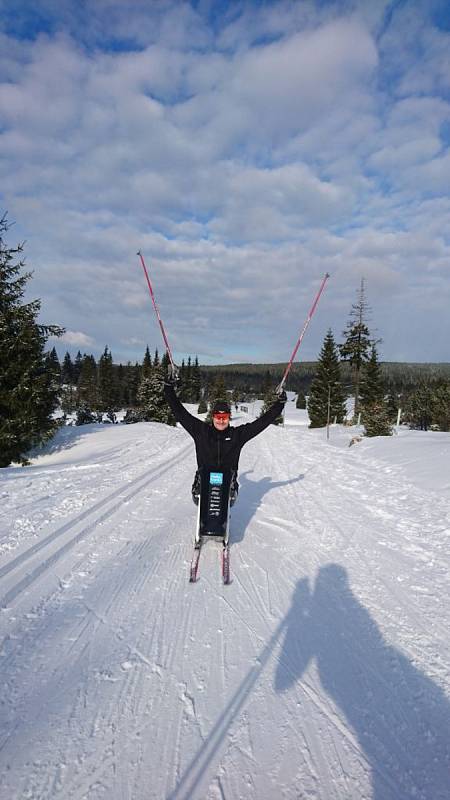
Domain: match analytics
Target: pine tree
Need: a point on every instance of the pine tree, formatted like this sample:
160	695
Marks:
151	400
107	386
28	394
67	370
326	398
147	364
78	363
156	358
358	341
165	365
120	386
375	410
301	401
190	383
182	382
372	388
196	382
132	384
189	390
87	388
53	366
68	398
376	421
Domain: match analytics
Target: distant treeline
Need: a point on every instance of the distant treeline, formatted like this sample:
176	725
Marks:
401	378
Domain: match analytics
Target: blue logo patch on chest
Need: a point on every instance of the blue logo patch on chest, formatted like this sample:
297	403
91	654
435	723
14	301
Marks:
216	478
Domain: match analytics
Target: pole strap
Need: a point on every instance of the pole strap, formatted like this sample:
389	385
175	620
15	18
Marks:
150	288
305	326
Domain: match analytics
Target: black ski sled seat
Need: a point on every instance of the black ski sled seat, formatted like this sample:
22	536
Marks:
215	489
234	487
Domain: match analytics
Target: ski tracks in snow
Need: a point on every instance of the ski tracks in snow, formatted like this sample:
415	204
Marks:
318	674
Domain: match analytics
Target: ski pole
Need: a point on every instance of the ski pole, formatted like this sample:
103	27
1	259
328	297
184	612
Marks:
150	288
299	340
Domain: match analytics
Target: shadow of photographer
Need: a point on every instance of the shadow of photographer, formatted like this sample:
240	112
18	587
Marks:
400	717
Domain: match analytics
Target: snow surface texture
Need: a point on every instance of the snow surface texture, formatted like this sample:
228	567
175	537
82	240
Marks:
321	673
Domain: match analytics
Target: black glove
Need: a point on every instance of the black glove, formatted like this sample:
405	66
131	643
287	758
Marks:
173	379
282	396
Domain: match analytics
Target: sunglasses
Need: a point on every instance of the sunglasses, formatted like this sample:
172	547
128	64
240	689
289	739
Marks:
221	416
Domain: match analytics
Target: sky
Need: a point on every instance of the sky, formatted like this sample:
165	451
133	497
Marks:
246	148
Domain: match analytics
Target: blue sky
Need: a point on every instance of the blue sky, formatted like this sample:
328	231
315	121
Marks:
246	148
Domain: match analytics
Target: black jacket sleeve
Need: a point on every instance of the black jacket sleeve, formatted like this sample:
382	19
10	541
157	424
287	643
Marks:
190	424
251	429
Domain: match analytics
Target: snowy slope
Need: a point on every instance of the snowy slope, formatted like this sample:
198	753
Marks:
322	672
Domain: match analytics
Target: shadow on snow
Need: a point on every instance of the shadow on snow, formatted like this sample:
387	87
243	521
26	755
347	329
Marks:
400	717
252	493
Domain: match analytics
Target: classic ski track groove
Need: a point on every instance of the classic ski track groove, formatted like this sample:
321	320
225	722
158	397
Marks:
121	495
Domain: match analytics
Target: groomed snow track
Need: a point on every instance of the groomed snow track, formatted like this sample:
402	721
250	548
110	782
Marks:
320	673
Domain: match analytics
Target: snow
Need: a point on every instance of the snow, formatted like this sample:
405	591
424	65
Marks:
322	672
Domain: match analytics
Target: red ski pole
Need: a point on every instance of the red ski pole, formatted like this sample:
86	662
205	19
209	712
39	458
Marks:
299	340
169	352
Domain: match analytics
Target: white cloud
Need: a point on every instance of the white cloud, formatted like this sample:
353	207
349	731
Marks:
244	161
77	339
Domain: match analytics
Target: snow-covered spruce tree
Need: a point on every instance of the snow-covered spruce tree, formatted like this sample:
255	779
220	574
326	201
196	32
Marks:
326	397
165	365
357	344
376	420
147	364
301	400
28	391
84	415
151	400
376	415
372	387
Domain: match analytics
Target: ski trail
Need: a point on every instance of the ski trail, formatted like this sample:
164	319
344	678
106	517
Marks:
319	673
108	506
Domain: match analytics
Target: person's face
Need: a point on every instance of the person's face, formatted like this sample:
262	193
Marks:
221	420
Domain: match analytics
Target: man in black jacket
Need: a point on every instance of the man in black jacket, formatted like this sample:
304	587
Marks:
219	445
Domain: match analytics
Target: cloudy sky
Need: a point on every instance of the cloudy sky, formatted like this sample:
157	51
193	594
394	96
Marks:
246	148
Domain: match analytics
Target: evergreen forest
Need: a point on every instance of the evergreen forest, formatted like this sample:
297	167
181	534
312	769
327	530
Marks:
40	390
